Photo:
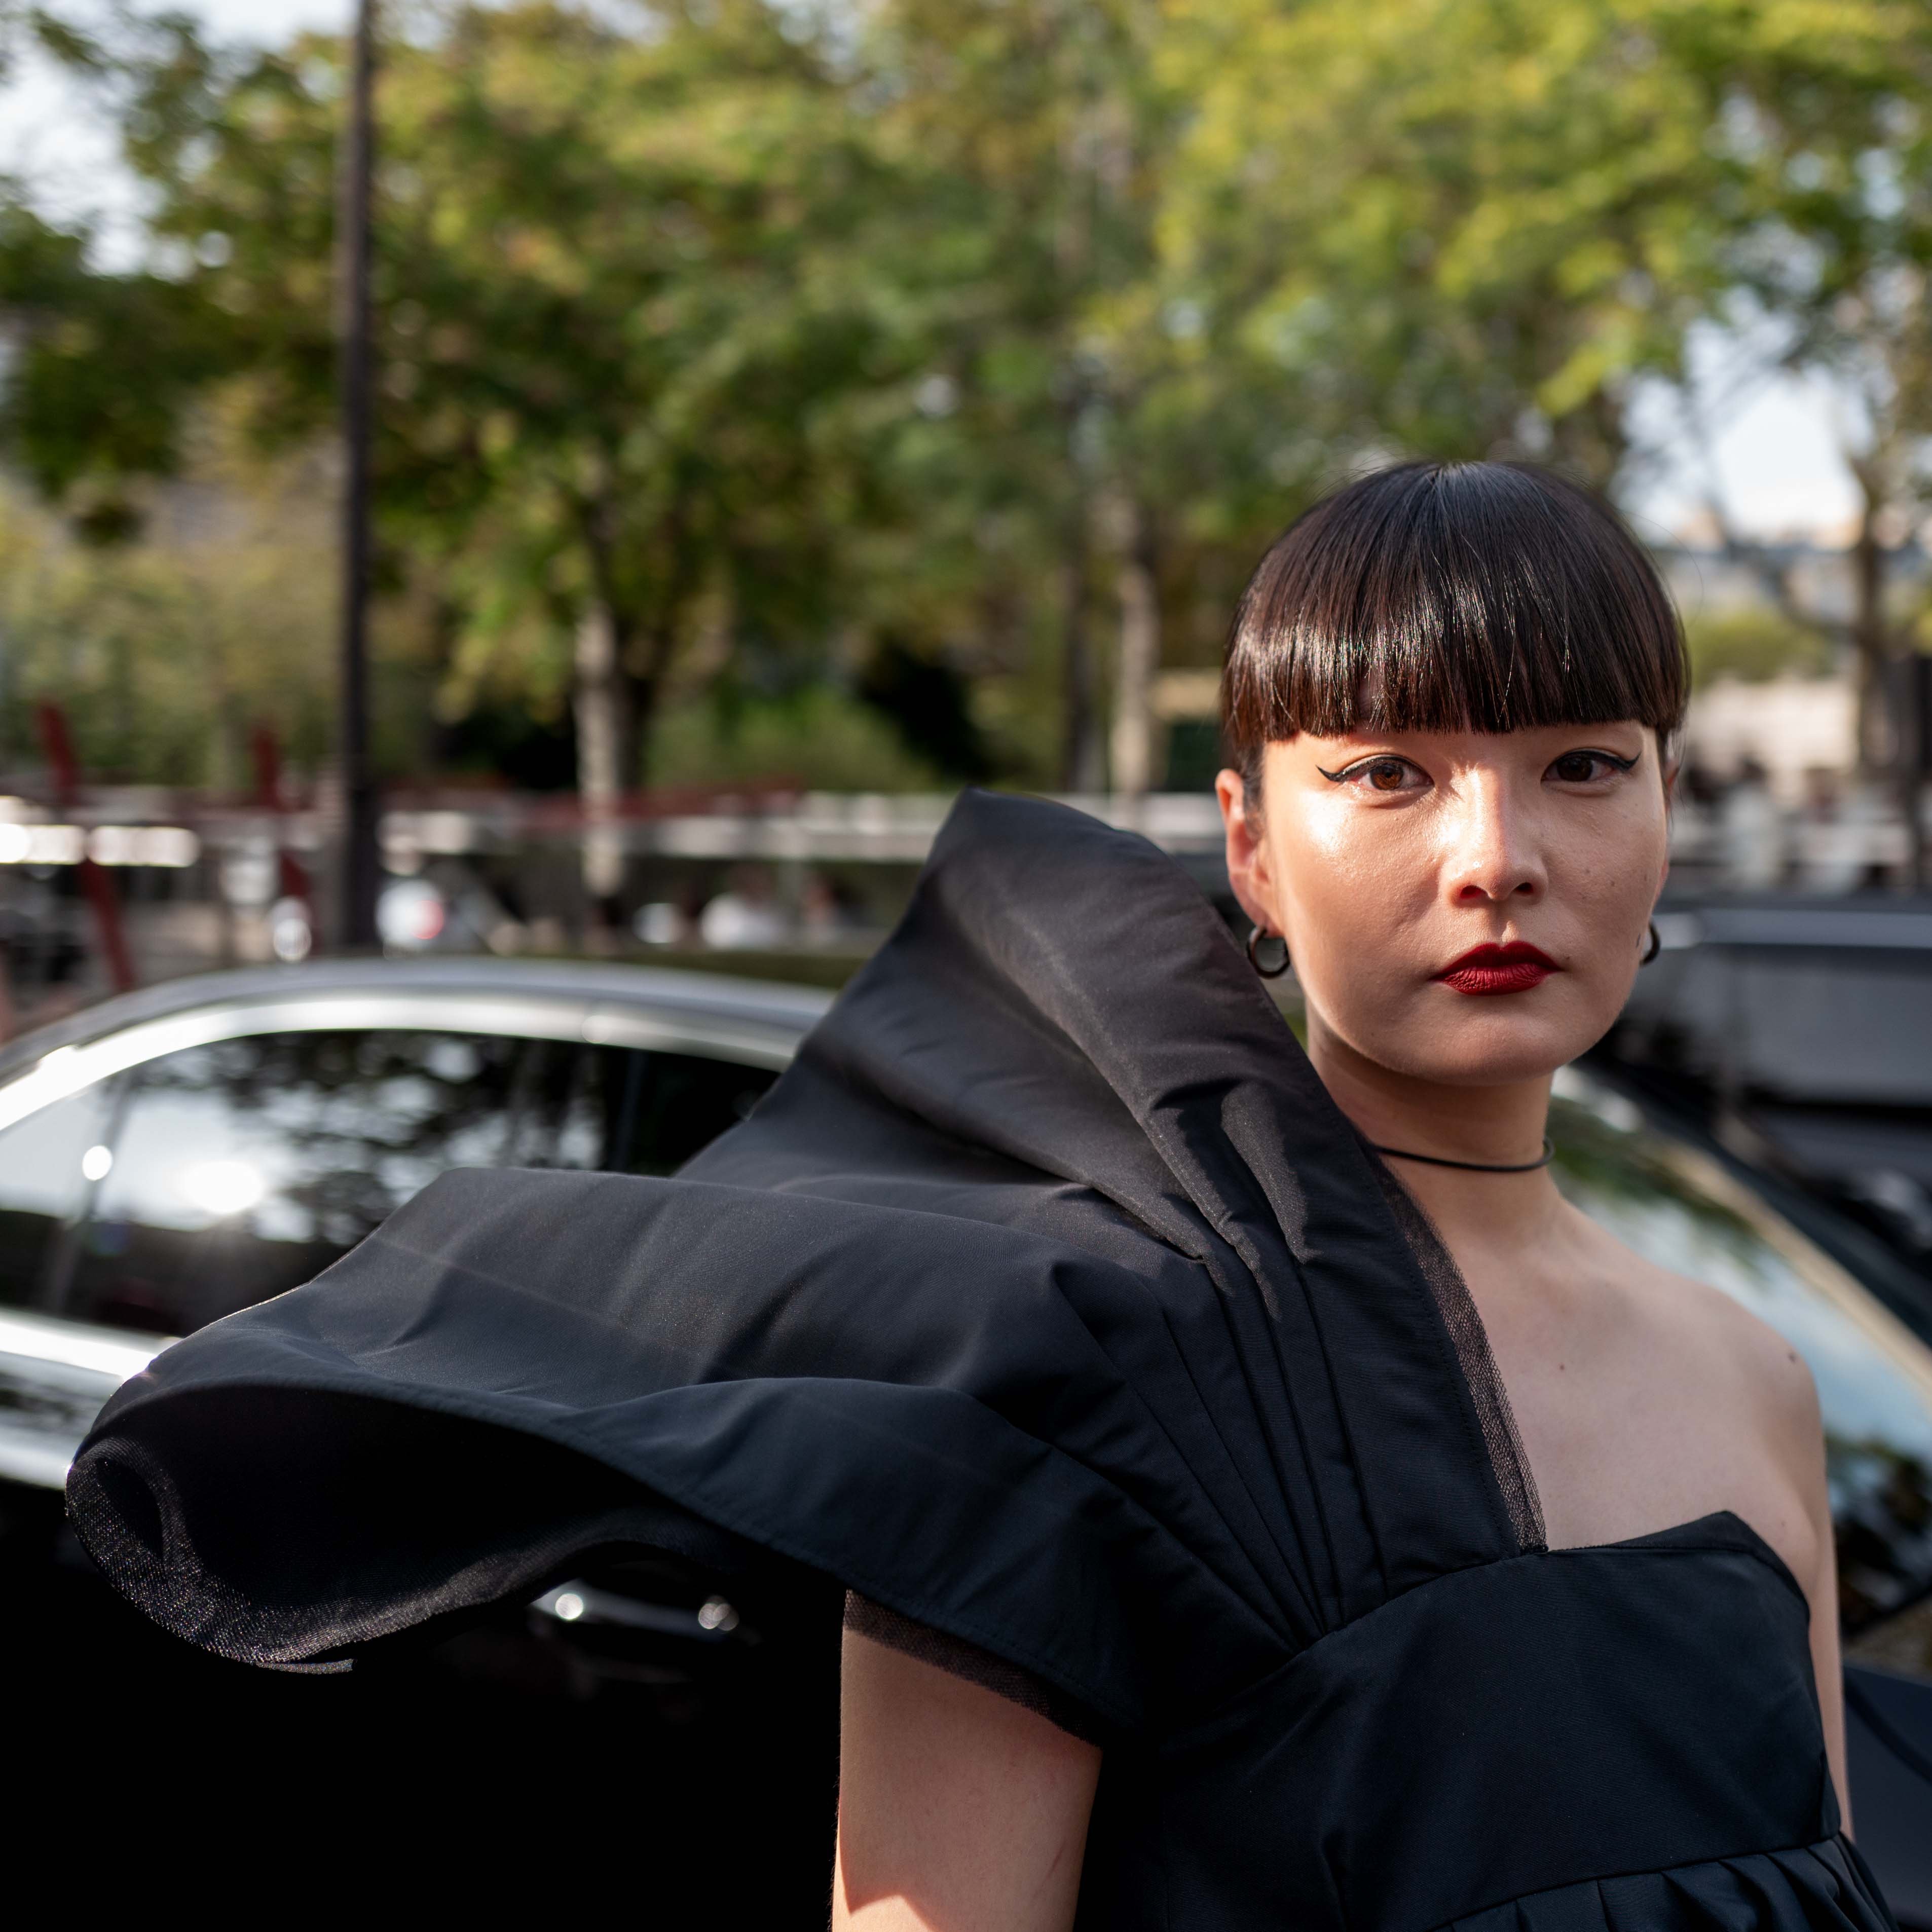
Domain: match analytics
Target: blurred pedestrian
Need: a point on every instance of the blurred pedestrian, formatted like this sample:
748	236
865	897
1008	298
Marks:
1751	831
828	913
1837	834
744	917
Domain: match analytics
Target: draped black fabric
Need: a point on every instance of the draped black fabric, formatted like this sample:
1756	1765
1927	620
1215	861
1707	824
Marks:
1048	1301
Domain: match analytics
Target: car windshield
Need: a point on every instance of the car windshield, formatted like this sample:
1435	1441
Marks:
1680	1208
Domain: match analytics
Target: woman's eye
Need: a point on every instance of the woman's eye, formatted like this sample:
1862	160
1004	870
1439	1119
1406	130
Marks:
1388	775
1583	767
1384	774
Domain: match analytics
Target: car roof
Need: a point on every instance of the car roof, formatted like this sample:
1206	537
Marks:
698	997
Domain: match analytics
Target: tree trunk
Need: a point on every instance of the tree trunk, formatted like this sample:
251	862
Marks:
1875	747
1132	740
1909	697
659	632
644	690
1081	756
604	740
1887	722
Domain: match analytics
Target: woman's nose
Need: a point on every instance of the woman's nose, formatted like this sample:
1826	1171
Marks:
1494	853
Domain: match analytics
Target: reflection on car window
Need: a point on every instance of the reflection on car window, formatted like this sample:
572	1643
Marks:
1680	1209
48	1163
244	1167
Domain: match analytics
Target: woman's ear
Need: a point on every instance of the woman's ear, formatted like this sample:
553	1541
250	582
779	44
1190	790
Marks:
1247	850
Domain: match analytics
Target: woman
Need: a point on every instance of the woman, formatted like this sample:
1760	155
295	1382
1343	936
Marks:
1264	1504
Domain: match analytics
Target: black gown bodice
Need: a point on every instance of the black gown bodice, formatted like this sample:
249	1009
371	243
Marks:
1048	1301
1625	1735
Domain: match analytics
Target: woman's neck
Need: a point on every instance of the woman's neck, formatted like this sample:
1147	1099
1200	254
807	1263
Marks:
1493	1126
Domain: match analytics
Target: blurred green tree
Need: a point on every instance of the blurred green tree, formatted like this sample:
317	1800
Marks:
1468	225
1752	645
101	365
1015	140
1474	226
167	650
1825	131
102	368
1079	439
728	347
613	340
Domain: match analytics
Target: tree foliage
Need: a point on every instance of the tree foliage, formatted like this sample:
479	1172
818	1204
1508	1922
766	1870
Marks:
168	653
933	348
102	367
612	351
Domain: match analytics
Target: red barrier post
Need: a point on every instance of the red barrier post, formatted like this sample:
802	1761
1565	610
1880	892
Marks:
96	881
292	875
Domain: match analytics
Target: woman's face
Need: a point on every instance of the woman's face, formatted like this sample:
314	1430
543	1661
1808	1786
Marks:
1461	906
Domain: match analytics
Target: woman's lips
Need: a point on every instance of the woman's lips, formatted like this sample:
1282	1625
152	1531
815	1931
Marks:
1498	969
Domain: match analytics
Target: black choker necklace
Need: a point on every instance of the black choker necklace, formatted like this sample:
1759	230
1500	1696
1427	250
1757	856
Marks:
1475	1166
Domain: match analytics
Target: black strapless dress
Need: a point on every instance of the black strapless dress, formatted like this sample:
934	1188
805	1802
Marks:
1049	1302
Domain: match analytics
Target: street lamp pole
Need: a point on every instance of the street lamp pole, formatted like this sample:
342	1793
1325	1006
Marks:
355	917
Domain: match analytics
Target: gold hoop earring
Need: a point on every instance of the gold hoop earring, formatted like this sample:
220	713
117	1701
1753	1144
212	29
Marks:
1256	935
1655	947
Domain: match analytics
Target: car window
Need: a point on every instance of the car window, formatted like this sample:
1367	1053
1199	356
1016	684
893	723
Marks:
1681	1209
240	1169
45	1167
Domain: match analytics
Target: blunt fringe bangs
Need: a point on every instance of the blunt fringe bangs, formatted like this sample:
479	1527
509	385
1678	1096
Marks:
1451	596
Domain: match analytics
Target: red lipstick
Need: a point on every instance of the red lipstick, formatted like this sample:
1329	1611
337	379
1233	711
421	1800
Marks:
1514	968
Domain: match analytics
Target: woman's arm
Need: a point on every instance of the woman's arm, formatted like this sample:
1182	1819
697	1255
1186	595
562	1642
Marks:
1797	1431
1827	1665
959	1811
1751	1381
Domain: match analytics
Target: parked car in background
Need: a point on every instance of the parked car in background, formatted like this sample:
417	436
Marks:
1800	1033
168	1158
172	1155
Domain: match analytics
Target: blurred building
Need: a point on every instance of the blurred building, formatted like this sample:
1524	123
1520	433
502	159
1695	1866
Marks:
1791	728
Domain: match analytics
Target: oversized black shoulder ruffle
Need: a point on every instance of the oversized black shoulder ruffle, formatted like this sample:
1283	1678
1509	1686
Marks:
1024	1305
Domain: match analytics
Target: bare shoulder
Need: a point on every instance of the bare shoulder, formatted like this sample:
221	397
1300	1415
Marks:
1686	1405
1708	1341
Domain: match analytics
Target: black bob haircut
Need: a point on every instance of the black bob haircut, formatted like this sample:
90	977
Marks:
1451	596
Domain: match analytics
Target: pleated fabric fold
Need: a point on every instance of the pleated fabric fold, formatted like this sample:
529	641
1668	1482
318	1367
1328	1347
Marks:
1047	1299
1826	1887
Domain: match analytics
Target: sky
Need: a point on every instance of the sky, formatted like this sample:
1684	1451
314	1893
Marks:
1769	441
1770	447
